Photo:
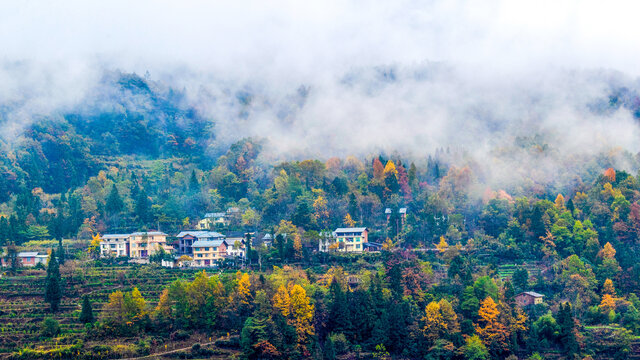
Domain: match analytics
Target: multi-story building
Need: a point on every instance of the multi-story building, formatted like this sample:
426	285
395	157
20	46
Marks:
114	245
211	220
346	240
187	238
208	253
145	244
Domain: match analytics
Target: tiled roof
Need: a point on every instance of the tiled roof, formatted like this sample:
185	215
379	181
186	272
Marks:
531	293
115	236
202	243
215	215
149	233
28	254
356	230
200	234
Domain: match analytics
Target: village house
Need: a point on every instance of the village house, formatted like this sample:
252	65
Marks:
27	259
114	245
208	253
236	248
145	244
187	238
528	298
211	220
346	240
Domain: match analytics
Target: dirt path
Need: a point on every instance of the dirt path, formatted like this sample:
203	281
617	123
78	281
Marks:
172	351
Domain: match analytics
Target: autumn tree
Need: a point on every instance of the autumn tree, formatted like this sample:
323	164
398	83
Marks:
378	169
348	221
492	333
434	325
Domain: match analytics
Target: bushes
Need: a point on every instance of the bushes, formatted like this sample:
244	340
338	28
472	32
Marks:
49	327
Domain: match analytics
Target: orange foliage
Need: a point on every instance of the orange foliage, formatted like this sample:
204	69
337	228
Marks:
610	174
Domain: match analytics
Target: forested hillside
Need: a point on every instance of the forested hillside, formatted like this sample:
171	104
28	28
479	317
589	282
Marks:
138	156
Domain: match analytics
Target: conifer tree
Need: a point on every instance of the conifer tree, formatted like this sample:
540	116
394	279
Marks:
114	203
339	309
567	334
143	207
194	184
61	254
53	288
86	316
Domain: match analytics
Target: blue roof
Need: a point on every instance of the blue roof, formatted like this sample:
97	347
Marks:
203	243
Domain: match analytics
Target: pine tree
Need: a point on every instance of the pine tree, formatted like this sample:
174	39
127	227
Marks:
194	185
53	288
329	352
61	254
143	207
5	231
339	309
86	316
567	334
114	203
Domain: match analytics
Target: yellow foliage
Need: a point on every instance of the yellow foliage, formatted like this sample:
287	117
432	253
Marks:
493	332
348	221
442	246
449	316
164	305
95	243
390	168
559	201
286	227
243	293
281	301
608	288
608	302
297	246
434	325
608	252
301	313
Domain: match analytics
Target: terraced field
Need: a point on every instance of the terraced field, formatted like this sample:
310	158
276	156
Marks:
22	306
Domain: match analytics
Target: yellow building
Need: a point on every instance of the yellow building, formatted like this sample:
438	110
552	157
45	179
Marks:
347	240
145	244
208	252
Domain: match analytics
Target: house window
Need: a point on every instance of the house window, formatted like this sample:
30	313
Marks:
199	255
357	246
206	249
215	249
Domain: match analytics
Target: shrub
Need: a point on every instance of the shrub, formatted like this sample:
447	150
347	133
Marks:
49	327
179	335
340	343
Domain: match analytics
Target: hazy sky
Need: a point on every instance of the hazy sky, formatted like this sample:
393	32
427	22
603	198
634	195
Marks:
306	38
467	74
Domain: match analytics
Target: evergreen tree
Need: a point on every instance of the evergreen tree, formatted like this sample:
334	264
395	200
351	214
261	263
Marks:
114	203
520	279
339	309
5	231
12	256
194	184
249	253
86	316
329	352
143	207
61	253
53	286
568	330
